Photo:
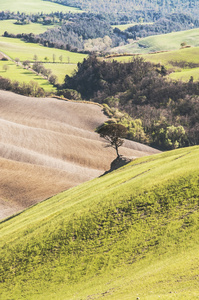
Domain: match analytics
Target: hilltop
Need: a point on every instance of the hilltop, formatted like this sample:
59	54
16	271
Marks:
131	233
49	145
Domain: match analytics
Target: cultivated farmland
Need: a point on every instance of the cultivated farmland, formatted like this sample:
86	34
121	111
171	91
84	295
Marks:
51	145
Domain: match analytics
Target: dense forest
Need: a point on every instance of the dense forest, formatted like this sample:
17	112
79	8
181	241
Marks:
132	10
156	110
169	23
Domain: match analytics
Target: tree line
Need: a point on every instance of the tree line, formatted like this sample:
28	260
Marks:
74	34
167	24
156	110
27	89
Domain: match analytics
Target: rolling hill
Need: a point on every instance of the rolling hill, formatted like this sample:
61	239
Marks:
49	145
181	63
162	42
35	6
131	234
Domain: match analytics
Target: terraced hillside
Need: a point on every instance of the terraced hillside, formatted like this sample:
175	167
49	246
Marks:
131	234
49	145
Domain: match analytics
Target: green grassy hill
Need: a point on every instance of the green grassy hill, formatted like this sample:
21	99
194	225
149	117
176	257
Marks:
34	6
188	55
15	48
11	27
131	233
163	42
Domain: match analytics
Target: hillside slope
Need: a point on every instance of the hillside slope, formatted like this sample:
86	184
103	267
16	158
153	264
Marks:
130	233
162	42
49	145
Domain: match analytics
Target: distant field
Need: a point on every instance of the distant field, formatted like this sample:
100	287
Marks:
125	26
190	55
61	70
170	41
185	75
26	51
34	6
18	73
8	25
16	48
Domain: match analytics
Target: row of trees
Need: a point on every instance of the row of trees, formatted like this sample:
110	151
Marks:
75	35
156	110
169	23
28	89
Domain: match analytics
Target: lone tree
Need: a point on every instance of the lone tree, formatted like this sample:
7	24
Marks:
113	134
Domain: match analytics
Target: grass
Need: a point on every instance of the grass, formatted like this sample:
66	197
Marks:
16	48
9	26
185	75
132	233
34	6
163	42
190	55
126	26
25	51
17	73
61	70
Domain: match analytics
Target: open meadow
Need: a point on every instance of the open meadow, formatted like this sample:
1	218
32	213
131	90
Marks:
131	234
15	48
9	26
172	61
34	6
163	42
126	26
18	73
61	70
26	51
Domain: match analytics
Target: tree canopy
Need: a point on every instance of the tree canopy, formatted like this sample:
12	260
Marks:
113	134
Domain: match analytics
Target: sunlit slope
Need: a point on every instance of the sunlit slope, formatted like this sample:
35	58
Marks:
34	6
173	61
49	145
162	42
130	233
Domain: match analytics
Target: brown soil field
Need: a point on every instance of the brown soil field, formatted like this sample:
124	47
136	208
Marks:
49	145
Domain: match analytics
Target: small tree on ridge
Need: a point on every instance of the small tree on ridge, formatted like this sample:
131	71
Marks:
113	134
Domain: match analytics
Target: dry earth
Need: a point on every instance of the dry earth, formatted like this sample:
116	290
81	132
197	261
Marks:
49	145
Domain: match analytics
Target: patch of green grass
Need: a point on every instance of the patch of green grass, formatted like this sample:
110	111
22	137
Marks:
17	73
126	26
132	233
189	55
26	51
9	26
164	58
163	42
61	70
185	75
34	6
